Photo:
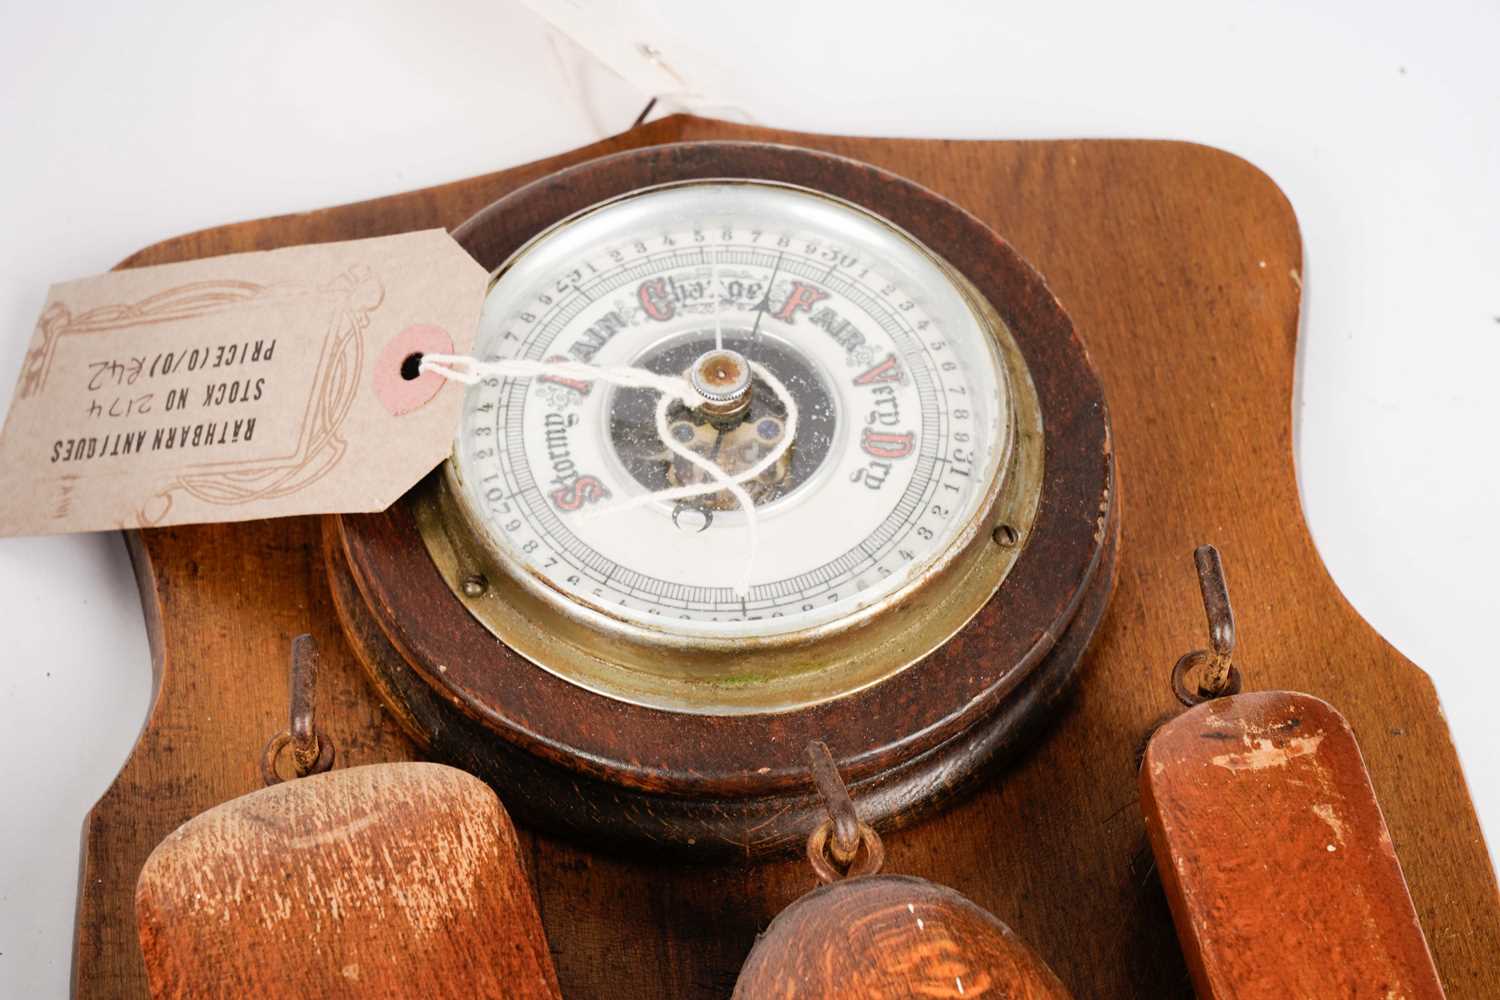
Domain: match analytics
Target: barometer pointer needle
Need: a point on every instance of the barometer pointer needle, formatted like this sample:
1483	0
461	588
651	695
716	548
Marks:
765	303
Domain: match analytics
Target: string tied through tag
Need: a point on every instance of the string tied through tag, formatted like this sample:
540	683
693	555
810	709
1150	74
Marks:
672	388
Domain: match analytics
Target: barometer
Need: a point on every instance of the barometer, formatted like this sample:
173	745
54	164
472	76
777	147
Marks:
883	517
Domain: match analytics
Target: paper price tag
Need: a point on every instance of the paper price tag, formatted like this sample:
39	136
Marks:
239	387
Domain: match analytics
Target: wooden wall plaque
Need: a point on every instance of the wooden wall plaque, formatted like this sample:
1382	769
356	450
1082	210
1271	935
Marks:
1180	266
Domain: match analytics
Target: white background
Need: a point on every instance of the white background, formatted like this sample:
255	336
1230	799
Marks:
122	124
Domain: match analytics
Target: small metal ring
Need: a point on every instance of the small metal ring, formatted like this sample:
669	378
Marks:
1196	695
867	860
280	742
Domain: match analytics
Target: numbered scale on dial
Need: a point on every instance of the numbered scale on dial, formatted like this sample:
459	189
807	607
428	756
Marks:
885	374
903	405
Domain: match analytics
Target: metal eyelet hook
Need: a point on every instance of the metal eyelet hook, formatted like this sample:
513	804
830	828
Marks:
1218	677
312	750
842	846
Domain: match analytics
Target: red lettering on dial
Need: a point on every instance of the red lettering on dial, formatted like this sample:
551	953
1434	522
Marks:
656	300
888	370
802	298
884	444
584	489
577	385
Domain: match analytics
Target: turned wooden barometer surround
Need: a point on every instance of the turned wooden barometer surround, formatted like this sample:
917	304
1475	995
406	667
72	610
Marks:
929	555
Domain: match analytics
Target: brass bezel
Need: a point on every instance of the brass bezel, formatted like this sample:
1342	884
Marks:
626	661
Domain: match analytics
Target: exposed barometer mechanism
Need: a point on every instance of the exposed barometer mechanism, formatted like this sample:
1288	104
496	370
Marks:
576	608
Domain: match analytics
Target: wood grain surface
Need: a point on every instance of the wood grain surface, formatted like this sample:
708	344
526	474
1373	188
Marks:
1275	859
1181	268
892	937
357	883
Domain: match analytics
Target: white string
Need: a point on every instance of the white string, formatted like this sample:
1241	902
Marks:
769	459
469	370
473	370
721	481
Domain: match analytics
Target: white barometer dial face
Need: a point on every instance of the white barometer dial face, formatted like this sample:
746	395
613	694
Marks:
904	416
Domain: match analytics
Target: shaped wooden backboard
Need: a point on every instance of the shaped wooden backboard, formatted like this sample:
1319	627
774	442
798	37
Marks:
1180	265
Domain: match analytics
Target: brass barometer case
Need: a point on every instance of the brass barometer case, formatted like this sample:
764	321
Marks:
559	608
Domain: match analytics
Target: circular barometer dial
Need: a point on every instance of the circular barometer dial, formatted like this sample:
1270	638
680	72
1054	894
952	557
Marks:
577	609
896	398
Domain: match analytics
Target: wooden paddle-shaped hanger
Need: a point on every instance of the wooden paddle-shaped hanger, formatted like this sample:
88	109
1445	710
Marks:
1276	860
389	880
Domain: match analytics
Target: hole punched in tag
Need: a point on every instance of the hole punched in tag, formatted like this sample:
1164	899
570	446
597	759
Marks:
312	750
411	366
